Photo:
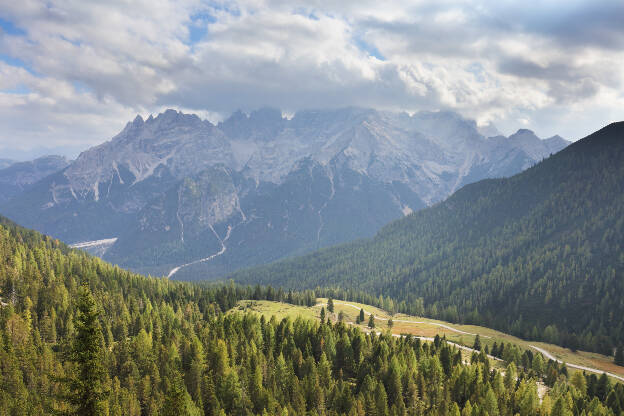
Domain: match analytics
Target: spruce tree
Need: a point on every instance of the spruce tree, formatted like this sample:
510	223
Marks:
371	321
175	399
322	315
477	343
87	386
619	355
330	305
361	317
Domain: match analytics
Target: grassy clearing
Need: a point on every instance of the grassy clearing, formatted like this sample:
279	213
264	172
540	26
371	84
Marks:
424	327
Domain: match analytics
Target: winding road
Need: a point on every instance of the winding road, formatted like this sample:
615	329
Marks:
414	322
545	353
462	347
578	367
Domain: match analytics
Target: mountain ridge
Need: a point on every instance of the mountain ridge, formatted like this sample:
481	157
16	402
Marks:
19	176
328	165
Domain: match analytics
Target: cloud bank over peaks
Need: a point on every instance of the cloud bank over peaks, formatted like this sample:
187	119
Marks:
72	72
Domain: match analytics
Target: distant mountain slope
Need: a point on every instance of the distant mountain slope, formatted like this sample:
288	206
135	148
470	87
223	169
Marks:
170	187
543	247
19	176
5	163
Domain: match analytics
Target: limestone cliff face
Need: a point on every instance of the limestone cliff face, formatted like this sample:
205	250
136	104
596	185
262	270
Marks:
172	188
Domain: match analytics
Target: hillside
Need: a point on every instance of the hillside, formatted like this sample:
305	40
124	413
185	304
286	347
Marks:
79	336
427	329
538	254
172	191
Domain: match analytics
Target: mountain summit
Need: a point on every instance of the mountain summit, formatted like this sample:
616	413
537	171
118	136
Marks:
181	194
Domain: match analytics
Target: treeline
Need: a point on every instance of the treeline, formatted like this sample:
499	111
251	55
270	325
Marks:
539	255
79	336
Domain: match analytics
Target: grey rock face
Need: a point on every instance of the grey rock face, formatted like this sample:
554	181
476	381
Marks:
175	189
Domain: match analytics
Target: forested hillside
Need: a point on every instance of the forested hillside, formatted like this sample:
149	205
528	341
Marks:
78	336
540	254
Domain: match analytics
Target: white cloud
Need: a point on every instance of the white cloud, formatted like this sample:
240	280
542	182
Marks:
78	70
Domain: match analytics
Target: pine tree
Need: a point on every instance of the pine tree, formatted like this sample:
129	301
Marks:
390	323
87	386
619	355
361	317
330	305
322	315
578	381
177	400
371	321
477	343
538	364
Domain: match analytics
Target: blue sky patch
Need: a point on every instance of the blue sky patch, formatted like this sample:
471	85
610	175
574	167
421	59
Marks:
8	27
368	48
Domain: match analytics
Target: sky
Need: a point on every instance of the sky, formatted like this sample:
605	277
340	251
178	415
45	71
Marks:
73	72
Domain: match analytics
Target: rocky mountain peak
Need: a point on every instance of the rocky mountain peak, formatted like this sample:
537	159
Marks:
260	125
522	133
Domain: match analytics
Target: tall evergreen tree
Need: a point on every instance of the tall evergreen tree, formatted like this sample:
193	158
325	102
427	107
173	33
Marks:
177	400
330	305
477	343
87	386
371	321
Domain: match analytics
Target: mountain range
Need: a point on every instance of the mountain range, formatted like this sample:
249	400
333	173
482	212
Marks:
174	194
539	254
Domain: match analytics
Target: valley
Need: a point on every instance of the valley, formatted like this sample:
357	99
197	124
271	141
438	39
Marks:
311	208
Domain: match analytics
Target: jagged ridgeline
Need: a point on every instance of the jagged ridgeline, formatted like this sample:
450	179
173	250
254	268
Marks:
79	336
177	193
540	254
